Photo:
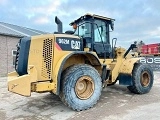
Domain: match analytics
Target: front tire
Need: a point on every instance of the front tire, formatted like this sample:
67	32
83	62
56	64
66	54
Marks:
81	87
142	79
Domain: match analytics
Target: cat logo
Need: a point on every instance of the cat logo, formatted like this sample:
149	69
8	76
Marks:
75	44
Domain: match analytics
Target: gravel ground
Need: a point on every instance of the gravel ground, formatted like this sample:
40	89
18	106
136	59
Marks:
116	103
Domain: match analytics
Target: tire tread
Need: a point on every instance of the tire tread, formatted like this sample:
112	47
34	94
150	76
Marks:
68	72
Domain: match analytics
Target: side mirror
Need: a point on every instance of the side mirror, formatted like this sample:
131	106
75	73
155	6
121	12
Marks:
112	25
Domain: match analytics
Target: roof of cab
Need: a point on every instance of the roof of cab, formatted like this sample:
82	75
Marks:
93	16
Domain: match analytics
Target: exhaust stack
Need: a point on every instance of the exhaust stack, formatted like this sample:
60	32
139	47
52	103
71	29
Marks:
59	24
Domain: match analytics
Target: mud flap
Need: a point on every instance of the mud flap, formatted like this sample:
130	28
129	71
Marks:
125	79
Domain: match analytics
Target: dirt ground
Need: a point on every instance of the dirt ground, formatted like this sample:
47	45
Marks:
116	103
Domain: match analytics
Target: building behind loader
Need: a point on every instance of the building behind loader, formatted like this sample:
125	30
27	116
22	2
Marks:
9	37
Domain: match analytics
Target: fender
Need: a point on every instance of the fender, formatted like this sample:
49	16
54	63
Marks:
59	66
125	71
127	65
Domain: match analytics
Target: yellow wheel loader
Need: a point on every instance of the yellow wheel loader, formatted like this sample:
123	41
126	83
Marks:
76	65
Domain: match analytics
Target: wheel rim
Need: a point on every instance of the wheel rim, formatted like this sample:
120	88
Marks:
145	79
84	87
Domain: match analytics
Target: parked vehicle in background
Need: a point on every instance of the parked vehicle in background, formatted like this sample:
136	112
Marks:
151	49
150	54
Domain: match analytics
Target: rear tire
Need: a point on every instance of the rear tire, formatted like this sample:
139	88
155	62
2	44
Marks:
81	87
142	78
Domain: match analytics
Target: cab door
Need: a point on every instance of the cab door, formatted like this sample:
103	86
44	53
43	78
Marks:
101	44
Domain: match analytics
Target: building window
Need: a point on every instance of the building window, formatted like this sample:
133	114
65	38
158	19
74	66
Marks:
14	56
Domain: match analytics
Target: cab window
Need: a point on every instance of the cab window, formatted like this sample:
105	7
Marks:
84	30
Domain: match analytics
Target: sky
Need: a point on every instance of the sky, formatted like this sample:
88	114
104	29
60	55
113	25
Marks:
135	19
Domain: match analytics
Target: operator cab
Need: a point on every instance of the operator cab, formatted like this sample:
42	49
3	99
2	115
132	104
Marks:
94	30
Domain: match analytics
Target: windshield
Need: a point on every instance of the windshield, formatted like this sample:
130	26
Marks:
83	30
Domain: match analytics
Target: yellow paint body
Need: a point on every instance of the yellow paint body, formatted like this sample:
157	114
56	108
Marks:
22	84
44	73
